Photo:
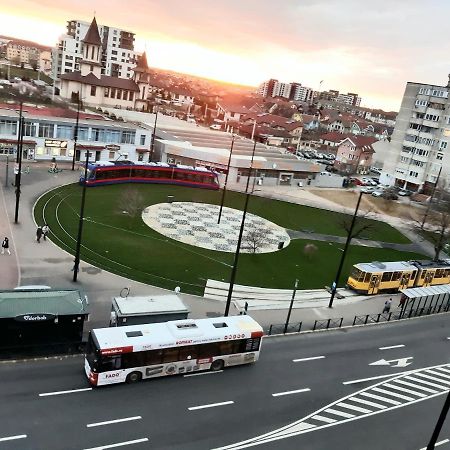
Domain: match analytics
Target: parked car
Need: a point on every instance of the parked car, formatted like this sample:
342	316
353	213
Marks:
404	193
215	126
367	189
356	181
377	193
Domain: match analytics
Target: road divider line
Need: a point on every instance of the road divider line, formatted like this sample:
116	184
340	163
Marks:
47	394
279	394
391	346
203	373
308	359
118	444
12	438
379	377
108	422
437	443
211	405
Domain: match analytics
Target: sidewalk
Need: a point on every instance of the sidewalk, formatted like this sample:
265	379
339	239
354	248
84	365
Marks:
47	264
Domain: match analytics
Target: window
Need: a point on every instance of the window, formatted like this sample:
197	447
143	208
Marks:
113	92
142	140
106	93
170	355
128	137
124	95
64	131
421	103
92	68
443	145
98	134
118	93
386	276
45	130
29	129
440	156
413	174
83	133
8	127
112	155
93	91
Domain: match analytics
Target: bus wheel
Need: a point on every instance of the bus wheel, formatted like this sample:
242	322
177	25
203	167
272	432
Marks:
134	377
217	365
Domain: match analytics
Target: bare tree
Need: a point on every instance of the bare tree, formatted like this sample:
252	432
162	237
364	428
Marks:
255	238
310	250
130	202
361	224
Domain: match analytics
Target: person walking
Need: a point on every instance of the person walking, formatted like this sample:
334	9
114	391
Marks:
387	306
39	234
5	246
45	231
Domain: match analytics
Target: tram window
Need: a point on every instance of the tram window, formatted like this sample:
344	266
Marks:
356	273
422	275
438	273
413	275
367	277
386	276
396	276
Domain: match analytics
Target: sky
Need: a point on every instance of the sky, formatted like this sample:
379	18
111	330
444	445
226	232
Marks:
367	47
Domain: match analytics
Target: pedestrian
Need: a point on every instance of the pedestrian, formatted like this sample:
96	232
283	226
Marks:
5	246
39	234
402	301
387	306
45	231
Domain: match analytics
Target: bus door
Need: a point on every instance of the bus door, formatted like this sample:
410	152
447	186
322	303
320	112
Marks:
374	284
405	280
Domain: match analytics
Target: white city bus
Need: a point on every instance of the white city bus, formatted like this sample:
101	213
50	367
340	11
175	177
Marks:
135	352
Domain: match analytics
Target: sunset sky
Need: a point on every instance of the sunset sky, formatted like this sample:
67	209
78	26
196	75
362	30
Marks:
369	47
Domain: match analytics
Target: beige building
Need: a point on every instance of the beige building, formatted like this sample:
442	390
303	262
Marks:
27	52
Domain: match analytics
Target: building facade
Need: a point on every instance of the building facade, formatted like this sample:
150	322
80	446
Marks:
420	144
117	50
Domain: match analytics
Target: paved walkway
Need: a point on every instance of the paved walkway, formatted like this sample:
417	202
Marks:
47	264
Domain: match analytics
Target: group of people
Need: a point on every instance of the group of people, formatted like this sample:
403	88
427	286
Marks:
42	232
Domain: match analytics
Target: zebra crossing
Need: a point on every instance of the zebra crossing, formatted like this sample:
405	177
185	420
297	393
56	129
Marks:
396	392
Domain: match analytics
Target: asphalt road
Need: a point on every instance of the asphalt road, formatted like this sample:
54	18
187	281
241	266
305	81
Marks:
156	414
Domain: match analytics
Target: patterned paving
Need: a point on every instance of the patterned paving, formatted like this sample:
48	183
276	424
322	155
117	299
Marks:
196	224
397	392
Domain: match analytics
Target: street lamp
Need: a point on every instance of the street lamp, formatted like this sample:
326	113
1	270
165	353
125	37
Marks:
75	135
226	180
434	437
19	162
290	306
241	232
152	145
80	225
347	243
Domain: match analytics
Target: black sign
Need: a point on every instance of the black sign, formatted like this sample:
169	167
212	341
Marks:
112	147
34	317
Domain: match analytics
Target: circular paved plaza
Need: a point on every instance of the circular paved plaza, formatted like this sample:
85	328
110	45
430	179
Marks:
196	224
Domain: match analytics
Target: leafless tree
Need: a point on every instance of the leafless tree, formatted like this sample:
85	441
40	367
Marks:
361	225
310	250
130	202
255	238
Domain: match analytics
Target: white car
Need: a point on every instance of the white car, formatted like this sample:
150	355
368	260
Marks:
215	126
367	190
377	193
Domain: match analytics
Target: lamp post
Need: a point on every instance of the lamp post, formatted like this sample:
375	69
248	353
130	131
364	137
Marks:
80	225
347	243
241	232
226	180
290	306
19	163
434	437
75	135
152	145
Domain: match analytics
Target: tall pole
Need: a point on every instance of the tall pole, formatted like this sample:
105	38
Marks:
7	171
75	136
431	200
290	306
80	225
439	423
241	232
226	180
344	253
152	146
19	162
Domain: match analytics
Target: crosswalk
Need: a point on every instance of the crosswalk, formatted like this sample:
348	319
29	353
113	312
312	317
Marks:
396	392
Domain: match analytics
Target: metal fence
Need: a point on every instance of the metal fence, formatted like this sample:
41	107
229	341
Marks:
326	324
279	328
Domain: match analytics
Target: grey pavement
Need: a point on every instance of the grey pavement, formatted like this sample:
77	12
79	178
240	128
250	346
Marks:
44	263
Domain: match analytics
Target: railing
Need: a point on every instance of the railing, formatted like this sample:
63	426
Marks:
326	324
279	328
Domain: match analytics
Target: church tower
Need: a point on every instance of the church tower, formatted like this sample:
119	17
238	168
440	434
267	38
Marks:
92	52
141	77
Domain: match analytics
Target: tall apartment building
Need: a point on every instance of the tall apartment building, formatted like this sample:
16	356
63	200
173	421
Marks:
349	99
291	91
118	56
420	147
301	93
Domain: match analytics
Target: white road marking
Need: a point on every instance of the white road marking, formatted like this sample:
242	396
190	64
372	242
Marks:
323	419
354	408
339	413
393	394
391	346
378	397
308	359
368	403
425	375
415	386
126	419
12	438
279	394
118	444
426	382
46	394
403	389
211	405
401	362
362	380
203	373
438	443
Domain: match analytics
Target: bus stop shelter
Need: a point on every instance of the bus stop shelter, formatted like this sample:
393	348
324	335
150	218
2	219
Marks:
38	319
425	300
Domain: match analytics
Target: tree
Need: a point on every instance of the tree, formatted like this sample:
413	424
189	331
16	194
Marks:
310	250
361	224
130	202
255	238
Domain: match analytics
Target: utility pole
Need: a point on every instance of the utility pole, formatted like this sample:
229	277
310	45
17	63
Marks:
290	306
344	253
75	136
19	163
226	180
152	146
434	437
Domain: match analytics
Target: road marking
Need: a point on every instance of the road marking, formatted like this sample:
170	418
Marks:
438	443
403	389
393	394
279	394
211	405
415	386
12	438
362	380
391	346
46	394
118	444
126	419
379	397
401	362
339	413
308	359
368	403
323	419
354	408
427	383
203	373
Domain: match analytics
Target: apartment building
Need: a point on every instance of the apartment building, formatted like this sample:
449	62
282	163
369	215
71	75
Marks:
118	57
291	91
419	148
19	51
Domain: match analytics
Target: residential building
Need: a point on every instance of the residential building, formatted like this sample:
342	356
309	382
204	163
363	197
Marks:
420	147
266	88
27	52
301	93
349	99
354	155
281	90
117	58
291	91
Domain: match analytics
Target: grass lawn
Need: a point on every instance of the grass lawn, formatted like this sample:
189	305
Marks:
115	242
25	74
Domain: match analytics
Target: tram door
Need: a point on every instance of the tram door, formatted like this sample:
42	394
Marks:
428	278
404	280
374	284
